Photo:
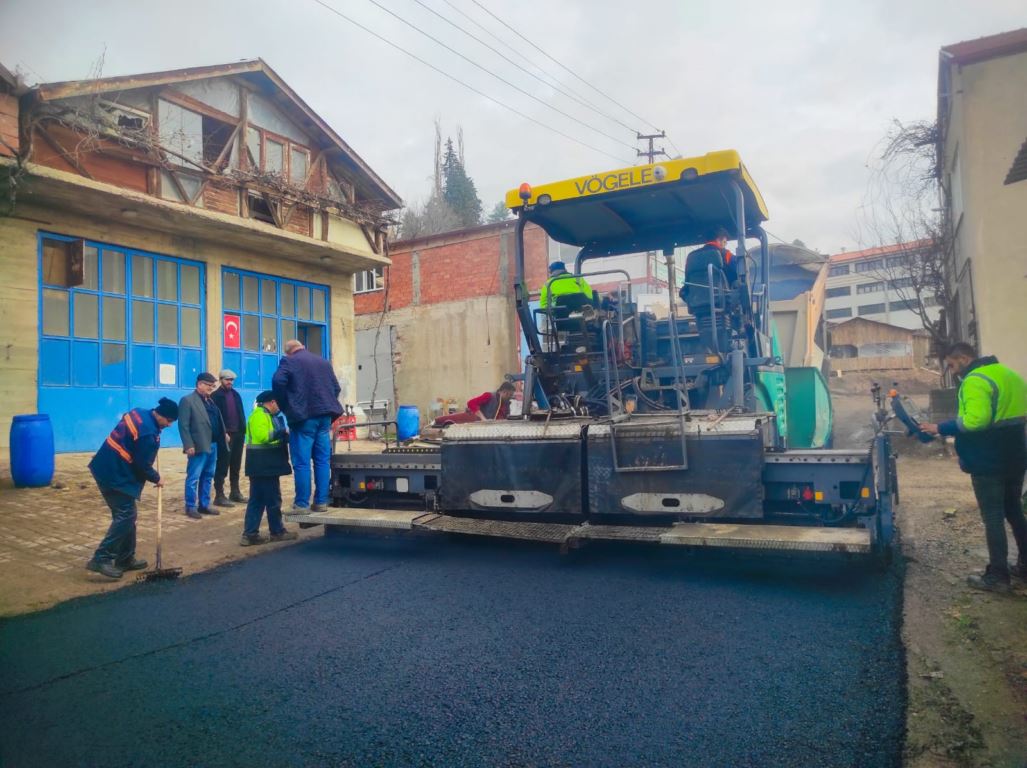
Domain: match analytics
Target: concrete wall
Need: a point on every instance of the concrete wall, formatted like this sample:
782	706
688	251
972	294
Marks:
453	350
19	294
451	305
987	125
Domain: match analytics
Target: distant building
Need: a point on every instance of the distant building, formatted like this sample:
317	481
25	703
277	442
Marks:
982	152
862	344
450	328
874	284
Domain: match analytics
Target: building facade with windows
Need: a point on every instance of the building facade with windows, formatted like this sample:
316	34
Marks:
875	284
982	168
159	225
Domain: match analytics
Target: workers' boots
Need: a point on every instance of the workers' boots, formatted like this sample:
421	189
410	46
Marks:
220	500
989	581
236	495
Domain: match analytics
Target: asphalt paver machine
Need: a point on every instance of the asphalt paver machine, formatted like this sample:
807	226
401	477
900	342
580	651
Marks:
674	430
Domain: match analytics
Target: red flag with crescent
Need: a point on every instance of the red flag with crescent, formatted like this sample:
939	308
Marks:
233	339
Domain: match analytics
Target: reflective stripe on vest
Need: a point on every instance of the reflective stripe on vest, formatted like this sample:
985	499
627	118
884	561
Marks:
119	449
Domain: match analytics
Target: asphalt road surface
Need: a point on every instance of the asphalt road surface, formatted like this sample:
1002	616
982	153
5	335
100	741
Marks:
388	652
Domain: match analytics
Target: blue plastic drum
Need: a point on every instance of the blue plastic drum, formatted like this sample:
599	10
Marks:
31	450
408	422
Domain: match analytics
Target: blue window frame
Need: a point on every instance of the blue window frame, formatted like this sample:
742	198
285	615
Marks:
113	322
271	310
133	318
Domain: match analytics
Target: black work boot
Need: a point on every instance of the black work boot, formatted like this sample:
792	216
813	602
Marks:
236	495
989	581
1019	570
220	500
105	568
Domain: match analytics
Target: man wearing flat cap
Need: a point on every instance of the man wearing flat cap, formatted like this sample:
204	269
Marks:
202	431
122	466
229	403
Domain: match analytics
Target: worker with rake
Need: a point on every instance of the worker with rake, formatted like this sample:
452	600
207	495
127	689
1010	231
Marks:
122	466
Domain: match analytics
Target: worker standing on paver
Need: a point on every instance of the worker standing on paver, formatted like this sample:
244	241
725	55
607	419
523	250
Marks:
202	430
492	405
990	443
121	468
696	290
229	403
267	460
307	390
563	283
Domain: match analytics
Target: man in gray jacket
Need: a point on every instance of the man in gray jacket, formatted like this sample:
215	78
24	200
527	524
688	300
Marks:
202	430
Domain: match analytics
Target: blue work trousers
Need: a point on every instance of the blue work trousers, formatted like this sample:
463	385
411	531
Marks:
119	545
311	440
199	474
265	494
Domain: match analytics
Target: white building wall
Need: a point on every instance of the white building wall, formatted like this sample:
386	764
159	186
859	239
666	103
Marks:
869	294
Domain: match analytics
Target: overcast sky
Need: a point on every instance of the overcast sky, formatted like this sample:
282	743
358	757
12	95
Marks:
804	90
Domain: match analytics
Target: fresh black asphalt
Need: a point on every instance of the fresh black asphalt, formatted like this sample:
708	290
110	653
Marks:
387	652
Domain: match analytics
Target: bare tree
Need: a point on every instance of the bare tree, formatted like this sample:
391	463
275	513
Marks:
902	213
431	218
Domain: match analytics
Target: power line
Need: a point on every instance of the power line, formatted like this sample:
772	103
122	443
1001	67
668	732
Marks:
564	66
501	79
471	88
549	80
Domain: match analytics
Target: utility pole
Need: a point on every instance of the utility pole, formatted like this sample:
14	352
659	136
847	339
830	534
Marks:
651	153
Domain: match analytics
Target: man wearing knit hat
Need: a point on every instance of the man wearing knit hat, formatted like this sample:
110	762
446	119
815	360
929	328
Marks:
228	401
267	459
121	468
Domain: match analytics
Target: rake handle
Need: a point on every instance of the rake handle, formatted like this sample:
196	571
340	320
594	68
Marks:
160	509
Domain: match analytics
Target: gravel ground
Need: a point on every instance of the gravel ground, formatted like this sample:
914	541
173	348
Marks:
389	652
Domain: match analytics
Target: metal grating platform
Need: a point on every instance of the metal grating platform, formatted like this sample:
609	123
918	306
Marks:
619	533
775	537
399	520
555	533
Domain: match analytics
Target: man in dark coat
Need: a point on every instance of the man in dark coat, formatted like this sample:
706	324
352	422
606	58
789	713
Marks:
696	290
307	390
121	468
229	403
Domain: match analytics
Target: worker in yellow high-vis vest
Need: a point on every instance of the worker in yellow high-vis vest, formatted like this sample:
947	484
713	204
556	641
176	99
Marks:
992	448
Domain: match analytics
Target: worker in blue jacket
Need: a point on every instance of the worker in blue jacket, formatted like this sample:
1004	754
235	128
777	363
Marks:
121	468
989	432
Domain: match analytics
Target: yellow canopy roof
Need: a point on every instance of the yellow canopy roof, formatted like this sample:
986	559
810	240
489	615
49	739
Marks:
646	207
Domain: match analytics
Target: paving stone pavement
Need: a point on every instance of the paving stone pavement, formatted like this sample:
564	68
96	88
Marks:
48	534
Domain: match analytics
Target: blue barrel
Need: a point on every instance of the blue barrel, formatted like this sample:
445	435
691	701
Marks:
408	422
31	450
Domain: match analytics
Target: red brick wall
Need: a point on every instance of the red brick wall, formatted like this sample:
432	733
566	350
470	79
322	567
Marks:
223	199
457	266
299	222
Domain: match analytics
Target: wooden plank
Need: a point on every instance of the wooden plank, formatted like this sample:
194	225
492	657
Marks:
772	537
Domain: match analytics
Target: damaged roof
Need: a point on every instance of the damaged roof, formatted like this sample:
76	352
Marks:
254	71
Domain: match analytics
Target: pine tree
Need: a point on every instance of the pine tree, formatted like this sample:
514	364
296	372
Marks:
458	189
499	213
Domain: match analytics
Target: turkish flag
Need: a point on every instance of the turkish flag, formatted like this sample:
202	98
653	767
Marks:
233	339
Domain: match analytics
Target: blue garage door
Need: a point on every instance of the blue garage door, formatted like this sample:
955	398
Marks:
119	329
261	313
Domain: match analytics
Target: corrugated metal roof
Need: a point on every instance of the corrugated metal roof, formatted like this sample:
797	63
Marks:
881	250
